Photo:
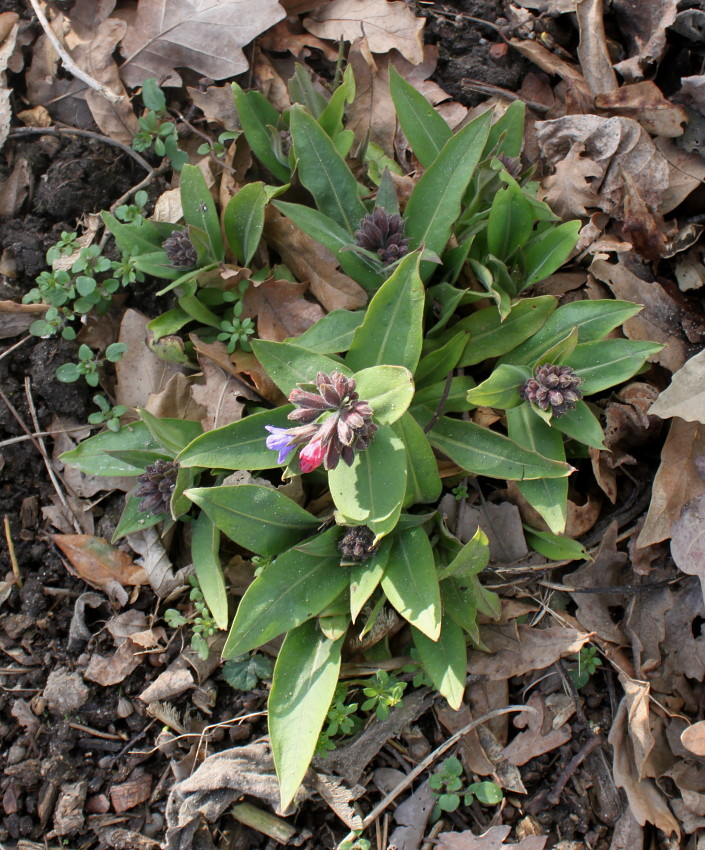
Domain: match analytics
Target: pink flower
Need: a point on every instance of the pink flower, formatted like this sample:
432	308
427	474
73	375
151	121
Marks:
311	456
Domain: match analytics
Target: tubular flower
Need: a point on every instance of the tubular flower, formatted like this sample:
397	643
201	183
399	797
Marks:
311	456
156	485
553	388
383	233
179	249
286	440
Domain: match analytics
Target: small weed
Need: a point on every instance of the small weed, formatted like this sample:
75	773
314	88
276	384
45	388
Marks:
201	621
588	662
447	786
89	364
383	694
107	414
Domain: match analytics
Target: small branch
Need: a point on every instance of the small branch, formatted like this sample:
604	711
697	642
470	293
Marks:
11	550
441	404
68	62
591	744
18	132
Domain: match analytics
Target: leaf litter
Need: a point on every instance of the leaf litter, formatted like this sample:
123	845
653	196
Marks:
616	148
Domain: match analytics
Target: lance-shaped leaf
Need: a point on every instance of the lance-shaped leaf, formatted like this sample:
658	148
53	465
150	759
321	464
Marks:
388	390
603	364
423	483
288	364
199	207
547	252
392	333
92	455
331	334
410	581
243	221
296	587
426	131
484	452
205	547
445	660
580	424
257	115
501	389
260	519
303	685
365	577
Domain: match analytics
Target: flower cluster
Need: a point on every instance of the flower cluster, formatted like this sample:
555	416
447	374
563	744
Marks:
180	250
356	545
156	485
384	234
553	388
345	424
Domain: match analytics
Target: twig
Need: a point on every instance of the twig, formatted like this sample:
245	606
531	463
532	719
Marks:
428	761
96	733
555	795
13	347
18	132
45	457
68	62
155	172
12	440
441	404
11	551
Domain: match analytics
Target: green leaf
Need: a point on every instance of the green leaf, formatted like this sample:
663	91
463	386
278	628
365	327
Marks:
91	458
242	674
582	425
460	604
256	114
173	434
324	172
240	445
425	130
296	587
501	389
388	390
243	221
365	577
423	483
302	90
332	334
133	239
548	496
391	333
486	793
410	582
445	660
304	681
199	207
288	364
547	252
152	96
455	402
331	119
371	491
436	365
205	547
603	364
334	237
554	546
133	519
510	222
258	518
435	203
484	452
492	337
470	560
179	503
507	133
593	319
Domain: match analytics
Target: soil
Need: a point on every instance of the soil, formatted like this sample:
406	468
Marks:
44	751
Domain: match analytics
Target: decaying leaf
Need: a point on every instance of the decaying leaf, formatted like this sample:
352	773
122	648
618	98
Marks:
593	54
493	839
206	36
16	318
386	25
13	192
155	561
280	308
685	395
571	190
131	793
644	26
688	539
97	562
645	103
514	653
219	396
9	28
677	480
540	735
693	738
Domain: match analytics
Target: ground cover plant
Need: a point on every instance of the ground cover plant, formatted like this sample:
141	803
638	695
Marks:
343	402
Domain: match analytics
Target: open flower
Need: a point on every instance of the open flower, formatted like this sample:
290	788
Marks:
286	440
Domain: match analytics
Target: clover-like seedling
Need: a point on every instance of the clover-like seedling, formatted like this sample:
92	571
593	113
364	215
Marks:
447	785
587	664
108	414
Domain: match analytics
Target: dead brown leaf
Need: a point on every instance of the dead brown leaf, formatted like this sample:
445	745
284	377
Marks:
175	400
131	793
513	653
686	171
385	25
572	188
677	480
280	308
97	562
16	318
206	36
474	757
595	62
645	103
372	112
693	738
540	735
688	539
644	26
662	316
219	396
685	395
14	190
113	669
168	684
501	522
310	261
242	365
217	104
288	36
9	27
578	96
493	839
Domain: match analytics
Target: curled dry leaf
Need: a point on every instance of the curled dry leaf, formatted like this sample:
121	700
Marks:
16	318
515	653
493	839
688	539
594	57
206	36
13	192
131	793
168	684
572	188
645	103
644	25
540	735
386	25
693	738
97	562
280	308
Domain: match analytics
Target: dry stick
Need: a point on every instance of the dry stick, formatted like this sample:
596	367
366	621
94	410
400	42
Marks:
428	761
13	347
11	550
68	62
555	795
45	457
12	440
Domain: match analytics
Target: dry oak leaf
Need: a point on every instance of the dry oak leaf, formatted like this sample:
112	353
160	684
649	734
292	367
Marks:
280	308
571	189
206	36
693	738
97	562
385	25
219	395
533	649
685	396
645	103
539	736
644	25
493	839
688	539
